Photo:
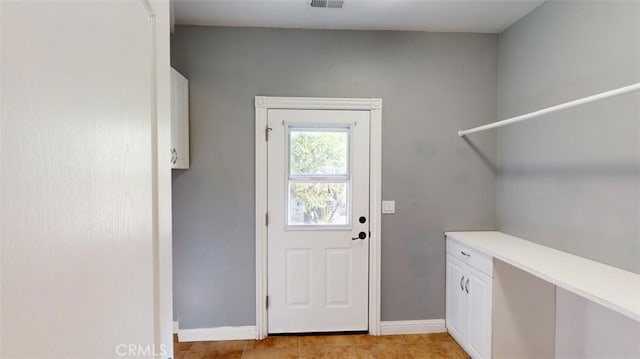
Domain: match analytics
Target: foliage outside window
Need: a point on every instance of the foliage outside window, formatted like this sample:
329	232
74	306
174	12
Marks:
319	177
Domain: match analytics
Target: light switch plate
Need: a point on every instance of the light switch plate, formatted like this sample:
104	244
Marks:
388	207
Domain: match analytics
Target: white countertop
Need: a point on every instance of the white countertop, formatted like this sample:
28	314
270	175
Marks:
614	288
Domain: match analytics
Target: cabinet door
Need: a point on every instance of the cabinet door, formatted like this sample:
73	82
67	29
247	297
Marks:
174	116
478	288
456	298
179	121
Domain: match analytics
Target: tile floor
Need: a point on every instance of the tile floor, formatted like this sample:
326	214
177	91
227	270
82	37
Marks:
439	345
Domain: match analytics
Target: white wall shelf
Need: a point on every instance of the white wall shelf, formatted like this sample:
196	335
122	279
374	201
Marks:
611	287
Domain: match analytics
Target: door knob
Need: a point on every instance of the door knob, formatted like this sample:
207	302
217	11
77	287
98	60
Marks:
361	235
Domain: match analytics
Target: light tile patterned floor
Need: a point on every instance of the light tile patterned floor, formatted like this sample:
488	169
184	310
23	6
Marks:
418	346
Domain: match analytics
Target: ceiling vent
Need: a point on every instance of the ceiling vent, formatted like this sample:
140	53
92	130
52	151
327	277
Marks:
327	4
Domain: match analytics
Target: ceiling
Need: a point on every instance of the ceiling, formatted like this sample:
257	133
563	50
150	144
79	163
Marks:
485	16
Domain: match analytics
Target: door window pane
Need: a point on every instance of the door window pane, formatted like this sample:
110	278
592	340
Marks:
318	152
318	203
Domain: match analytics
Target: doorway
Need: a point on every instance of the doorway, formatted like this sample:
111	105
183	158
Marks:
318	188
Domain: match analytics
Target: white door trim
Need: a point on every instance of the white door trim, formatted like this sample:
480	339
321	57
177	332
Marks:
374	105
159	13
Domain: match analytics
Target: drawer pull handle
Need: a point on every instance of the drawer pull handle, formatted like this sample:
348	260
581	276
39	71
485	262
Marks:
465	254
466	286
461	285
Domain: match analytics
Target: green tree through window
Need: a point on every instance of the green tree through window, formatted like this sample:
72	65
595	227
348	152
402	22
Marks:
321	154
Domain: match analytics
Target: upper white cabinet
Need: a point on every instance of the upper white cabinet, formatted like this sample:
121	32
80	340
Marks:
179	121
468	291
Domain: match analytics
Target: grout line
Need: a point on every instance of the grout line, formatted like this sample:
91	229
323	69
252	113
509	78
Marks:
408	351
244	349
406	347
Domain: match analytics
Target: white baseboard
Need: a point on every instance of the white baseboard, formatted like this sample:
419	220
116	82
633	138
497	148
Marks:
176	327
413	327
220	333
249	331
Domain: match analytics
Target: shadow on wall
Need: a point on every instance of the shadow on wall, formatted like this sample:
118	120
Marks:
483	157
628	170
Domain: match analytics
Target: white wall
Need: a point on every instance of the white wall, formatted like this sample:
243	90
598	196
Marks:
80	238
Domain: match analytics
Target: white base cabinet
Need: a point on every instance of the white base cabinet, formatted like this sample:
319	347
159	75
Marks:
179	121
468	298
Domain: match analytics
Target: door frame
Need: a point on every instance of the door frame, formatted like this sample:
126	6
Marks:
160	18
374	106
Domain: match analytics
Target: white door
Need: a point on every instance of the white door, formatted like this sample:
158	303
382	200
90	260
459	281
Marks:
77	137
456	298
478	289
318	231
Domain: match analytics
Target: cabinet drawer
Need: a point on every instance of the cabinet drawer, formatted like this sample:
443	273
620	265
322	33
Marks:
479	260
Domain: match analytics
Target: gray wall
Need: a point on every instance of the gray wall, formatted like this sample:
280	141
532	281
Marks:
603	333
571	180
440	182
